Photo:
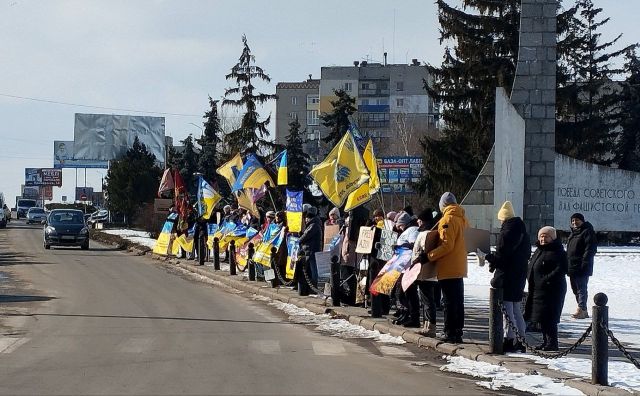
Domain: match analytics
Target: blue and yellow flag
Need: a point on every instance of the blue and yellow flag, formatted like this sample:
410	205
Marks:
283	178
207	198
342	172
365	192
252	175
293	247
230	169
294	210
272	238
164	239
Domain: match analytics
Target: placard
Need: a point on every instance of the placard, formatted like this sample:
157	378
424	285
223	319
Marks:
388	238
329	232
365	240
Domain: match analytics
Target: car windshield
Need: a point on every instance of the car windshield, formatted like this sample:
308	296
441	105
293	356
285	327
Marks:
66	218
36	211
27	203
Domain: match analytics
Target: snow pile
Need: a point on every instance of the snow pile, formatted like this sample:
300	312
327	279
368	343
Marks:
500	377
139	237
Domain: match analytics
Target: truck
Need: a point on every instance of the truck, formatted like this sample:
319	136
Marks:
23	205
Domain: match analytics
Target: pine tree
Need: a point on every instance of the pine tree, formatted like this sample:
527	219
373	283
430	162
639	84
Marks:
338	119
628	144
587	98
209	142
297	160
251	135
188	165
132	180
484	57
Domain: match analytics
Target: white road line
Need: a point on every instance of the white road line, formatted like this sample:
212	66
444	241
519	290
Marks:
328	348
266	347
8	345
394	351
135	345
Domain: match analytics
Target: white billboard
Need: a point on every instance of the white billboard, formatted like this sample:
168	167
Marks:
106	137
63	157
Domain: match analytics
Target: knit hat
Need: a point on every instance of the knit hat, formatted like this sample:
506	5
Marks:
391	215
335	212
578	216
549	231
447	199
506	211
403	219
312	211
305	207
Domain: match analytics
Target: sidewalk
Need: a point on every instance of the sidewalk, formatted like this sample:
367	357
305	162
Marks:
475	345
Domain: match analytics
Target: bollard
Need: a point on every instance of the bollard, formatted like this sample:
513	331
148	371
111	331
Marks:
303	286
216	254
273	261
232	258
495	322
335	281
250	263
202	249
600	341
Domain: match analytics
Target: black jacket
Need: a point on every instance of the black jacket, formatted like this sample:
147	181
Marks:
581	248
547	283
510	259
311	238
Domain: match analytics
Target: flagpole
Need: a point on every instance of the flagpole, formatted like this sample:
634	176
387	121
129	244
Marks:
272	201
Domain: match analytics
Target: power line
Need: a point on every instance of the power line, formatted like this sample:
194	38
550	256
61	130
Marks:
98	107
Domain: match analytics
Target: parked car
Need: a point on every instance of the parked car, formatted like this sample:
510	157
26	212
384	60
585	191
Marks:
23	205
3	219
100	216
66	227
36	215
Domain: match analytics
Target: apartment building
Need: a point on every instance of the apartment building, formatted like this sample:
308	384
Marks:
301	101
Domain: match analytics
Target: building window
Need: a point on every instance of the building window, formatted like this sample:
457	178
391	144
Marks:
348	86
382	102
313	99
364	102
293	115
294	100
312	117
400	86
365	85
400	102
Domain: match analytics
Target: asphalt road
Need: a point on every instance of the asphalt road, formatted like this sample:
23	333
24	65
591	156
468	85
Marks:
106	322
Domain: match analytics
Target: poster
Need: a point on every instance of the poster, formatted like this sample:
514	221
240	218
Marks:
398	173
365	240
390	273
388	239
330	231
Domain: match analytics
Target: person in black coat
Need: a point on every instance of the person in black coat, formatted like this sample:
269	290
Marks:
311	241
581	248
509	265
547	286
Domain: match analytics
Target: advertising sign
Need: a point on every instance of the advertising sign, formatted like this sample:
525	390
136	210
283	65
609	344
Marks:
397	173
42	177
84	193
63	157
30	192
46	193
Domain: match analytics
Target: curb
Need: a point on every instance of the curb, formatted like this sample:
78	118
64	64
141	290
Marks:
476	352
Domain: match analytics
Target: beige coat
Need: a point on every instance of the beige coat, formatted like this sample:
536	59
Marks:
426	241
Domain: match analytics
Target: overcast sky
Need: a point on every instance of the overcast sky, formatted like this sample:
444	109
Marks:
151	57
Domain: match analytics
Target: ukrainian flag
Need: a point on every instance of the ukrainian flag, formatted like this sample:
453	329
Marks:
164	239
283	178
294	210
230	169
365	192
207	198
252	175
342	172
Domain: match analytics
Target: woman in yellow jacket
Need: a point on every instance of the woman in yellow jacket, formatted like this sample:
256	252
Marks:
451	265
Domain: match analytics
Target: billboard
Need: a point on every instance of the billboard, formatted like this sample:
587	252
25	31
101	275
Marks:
30	192
46	193
42	177
63	157
84	193
397	174
106	137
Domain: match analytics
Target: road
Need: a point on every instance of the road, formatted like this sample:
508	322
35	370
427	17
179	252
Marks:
106	322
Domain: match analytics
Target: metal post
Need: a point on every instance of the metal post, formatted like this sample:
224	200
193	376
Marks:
250	263
232	258
216	254
273	261
303	286
335	281
600	340
495	321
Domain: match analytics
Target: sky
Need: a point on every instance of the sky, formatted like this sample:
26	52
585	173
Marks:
164	58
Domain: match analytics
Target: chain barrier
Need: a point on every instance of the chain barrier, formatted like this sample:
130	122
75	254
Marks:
532	349
620	347
282	280
310	283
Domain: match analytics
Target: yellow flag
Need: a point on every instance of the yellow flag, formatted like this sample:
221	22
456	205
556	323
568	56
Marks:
365	192
229	170
342	172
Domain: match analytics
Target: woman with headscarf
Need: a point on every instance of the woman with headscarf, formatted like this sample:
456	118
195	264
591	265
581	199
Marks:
547	286
334	218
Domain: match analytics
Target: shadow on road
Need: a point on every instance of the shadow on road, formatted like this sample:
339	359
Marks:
8	298
150	317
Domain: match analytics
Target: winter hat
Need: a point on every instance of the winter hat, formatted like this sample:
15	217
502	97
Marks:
426	215
578	216
506	211
271	214
312	211
378	213
447	199
549	231
335	212
305	208
403	219
391	215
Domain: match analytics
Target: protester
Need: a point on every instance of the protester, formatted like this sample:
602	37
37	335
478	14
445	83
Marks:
581	249
311	241
509	264
547	286
410	304
451	265
226	214
269	218
378	218
357	218
427	279
334	218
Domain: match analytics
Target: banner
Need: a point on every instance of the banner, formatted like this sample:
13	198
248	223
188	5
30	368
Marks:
242	251
293	247
388	238
271	238
42	177
390	273
164	239
294	210
63	157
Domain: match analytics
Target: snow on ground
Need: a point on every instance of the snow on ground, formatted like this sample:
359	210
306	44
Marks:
499	377
139	237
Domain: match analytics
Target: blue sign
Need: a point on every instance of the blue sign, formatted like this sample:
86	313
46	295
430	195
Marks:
398	173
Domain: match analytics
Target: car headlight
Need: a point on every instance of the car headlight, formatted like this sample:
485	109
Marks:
50	230
84	231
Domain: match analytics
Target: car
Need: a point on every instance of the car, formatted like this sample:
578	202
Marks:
66	227
100	216
7	212
23	205
36	215
3	219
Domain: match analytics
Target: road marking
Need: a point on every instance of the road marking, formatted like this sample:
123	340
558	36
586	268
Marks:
328	348
266	347
135	345
8	345
394	351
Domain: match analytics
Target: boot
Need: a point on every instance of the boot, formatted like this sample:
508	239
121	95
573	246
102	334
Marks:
519	347
544	342
507	345
429	330
580	314
552	340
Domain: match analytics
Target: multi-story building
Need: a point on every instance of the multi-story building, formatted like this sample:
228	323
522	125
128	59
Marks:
300	101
